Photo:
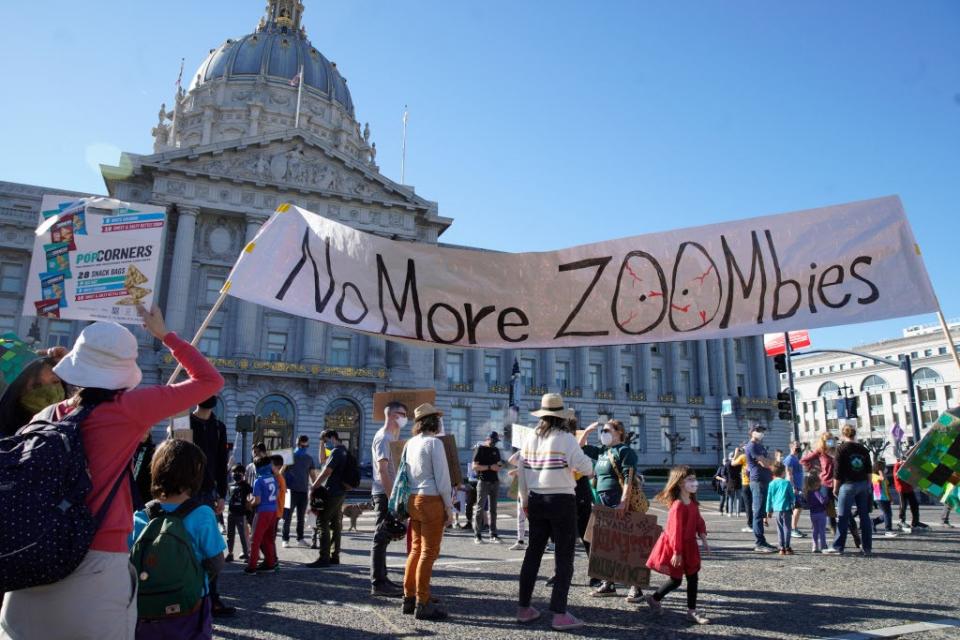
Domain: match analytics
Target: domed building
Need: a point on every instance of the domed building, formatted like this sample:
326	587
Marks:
266	119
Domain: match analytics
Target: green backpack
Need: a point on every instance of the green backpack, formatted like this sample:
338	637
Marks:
171	580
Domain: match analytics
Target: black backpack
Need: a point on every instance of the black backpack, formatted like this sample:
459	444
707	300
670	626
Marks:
351	471
44	482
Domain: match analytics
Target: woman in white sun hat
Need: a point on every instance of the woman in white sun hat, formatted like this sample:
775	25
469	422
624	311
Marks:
548	459
98	600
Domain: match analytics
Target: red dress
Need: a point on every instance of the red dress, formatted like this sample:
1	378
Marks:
680	536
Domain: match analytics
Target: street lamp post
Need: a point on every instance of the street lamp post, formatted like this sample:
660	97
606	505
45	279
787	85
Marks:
675	439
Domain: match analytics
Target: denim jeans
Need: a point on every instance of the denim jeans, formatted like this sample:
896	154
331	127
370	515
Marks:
298	502
611	498
378	554
854	494
759	492
550	515
746	499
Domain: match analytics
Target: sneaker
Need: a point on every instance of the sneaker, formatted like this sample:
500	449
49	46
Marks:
634	596
495	540
696	618
789	551
429	611
335	559
746	530
906	528
319	563
948	525
816	550
655	606
920	525
796	533
466	527
229	558
268	568
386	590
286	544
764	548
605	590
595	582
243	556
409	606
250	571
565	622
782	552
527	614
729	515
889	534
866	554
833	551
549	582
519	545
550	548
478	541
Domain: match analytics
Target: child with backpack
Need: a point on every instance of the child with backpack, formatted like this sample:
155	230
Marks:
240	492
176	548
264	501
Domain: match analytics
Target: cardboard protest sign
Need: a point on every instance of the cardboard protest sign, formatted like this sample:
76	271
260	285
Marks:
519	435
411	398
835	265
449	448
95	259
933	466
620	542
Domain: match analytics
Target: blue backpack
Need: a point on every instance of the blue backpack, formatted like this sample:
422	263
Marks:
45	525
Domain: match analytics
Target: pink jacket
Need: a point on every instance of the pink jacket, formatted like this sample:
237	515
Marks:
112	432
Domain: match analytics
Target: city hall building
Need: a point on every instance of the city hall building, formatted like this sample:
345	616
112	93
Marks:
229	149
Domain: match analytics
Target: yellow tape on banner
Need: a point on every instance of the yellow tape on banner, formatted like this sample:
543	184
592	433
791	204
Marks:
916	248
283	208
226	287
249	247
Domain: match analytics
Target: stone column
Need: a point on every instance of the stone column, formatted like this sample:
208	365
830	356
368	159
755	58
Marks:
614	362
720	370
730	356
673	365
759	372
314	341
439	368
248	337
703	369
644	372
209	114
181	270
583	369
548	367
475	373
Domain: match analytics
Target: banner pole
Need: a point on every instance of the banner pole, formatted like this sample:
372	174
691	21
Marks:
946	333
203	327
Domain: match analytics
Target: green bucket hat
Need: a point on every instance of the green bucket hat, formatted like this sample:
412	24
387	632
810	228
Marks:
16	356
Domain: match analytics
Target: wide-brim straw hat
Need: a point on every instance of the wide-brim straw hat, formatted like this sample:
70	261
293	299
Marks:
551	404
424	410
104	357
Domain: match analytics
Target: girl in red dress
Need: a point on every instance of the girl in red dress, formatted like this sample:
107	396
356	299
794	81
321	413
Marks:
676	553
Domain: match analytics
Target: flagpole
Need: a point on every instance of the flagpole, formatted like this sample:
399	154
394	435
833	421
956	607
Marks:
202	329
403	148
296	120
946	333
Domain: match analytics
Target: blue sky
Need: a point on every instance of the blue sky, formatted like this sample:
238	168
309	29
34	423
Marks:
538	125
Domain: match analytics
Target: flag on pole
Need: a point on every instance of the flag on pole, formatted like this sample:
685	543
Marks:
897	432
179	83
295	80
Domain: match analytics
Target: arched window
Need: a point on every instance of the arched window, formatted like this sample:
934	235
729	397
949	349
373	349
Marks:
344	417
276	417
873	383
276	408
829	390
926	376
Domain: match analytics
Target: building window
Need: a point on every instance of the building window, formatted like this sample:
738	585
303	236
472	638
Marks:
210	342
941	351
454	368
928	394
741	384
873	382
695	433
596	377
213	286
8	324
458	426
948	394
877	421
563	375
60	333
340	351
684	349
11	277
928	417
927	353
527	368
664	431
738	349
276	346
491	369
657	381
685	383
626	378
655	347
638	428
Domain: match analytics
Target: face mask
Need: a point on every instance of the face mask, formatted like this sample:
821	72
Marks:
237	477
606	439
758	435
831	443
39	398
401	421
691	485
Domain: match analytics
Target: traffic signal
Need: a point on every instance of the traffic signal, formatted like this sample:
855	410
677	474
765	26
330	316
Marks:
783	406
780	363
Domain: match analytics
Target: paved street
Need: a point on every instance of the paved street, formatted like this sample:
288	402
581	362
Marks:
912	579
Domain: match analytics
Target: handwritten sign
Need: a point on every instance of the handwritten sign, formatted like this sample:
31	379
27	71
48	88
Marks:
620	543
449	448
411	398
519	435
836	265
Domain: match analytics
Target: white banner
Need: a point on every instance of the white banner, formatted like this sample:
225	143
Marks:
94	259
843	264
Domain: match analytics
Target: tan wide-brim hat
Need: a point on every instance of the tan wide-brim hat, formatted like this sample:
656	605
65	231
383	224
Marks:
424	410
551	404
104	357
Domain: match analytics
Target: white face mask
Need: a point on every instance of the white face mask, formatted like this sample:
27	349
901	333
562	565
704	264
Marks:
401	422
606	439
758	435
691	485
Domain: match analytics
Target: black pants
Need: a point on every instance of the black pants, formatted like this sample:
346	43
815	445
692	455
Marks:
378	554
471	501
746	499
911	499
550	515
298	501
693	581
330	522
723	501
236	523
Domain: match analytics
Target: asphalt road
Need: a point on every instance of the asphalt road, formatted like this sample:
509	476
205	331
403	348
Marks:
911	579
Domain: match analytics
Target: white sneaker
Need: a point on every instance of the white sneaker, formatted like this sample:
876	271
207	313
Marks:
550	548
729	515
519	545
889	534
286	544
478	541
796	533
746	530
496	540
906	528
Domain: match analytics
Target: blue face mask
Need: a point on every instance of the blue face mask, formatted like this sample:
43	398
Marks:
831	443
